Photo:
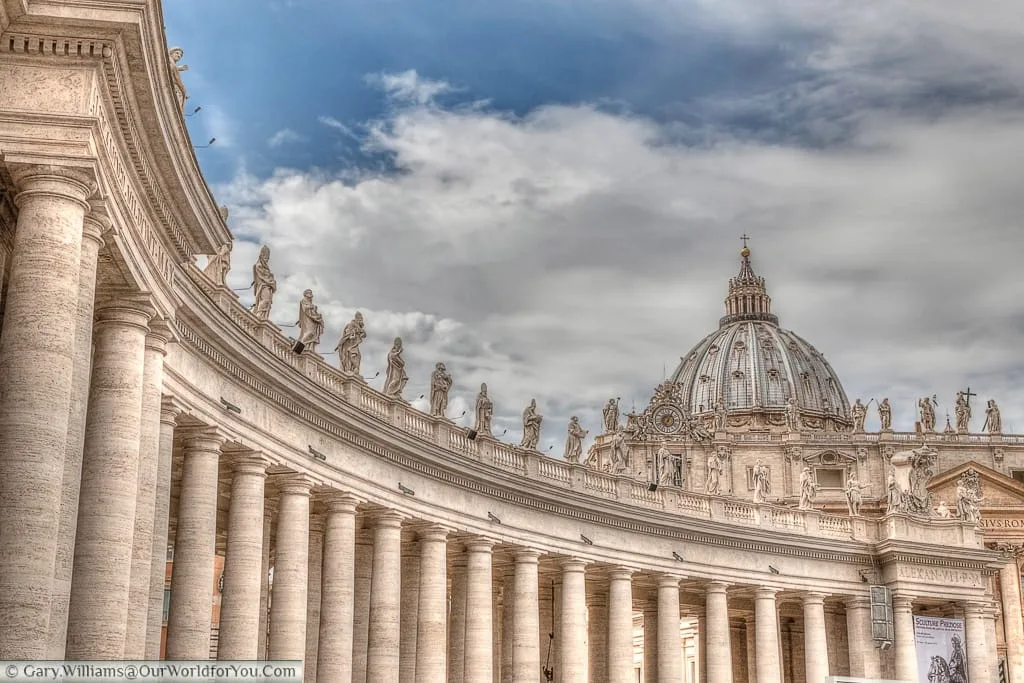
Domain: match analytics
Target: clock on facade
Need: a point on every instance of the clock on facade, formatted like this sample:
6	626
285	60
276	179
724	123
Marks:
668	419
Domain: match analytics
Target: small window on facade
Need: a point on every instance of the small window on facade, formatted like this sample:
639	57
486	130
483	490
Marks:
1018	475
830	478
170	553
167	602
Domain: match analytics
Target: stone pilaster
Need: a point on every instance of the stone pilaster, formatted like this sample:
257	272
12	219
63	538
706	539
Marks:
670	649
597	636
161	513
38	351
525	636
243	561
905	647
361	604
572	646
195	542
408	612
96	222
432	617
382	649
101	583
766	619
313	581
716	642
334	660
290	594
650	665
457	620
620	626
1013	629
145	508
979	654
864	659
478	657
815	638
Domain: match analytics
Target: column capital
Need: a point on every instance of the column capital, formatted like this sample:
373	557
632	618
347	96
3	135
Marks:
250	462
621	574
812	598
97	221
170	409
669	580
205	438
526	555
975	609
433	533
160	335
765	593
133	310
388	519
478	544
75	183
338	501
293	484
902	603
857	602
574	565
716	587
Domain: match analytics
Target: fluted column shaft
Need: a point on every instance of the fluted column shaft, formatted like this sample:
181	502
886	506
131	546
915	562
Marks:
37	360
383	641
478	656
1009	580
243	562
978	652
597	637
572	646
718	648
457	620
525	636
290	595
432	612
313	581
409	617
161	515
864	660
651	643
145	508
766	618
361	605
620	626
95	223
815	639
195	542
670	651
905	646
101	583
334	659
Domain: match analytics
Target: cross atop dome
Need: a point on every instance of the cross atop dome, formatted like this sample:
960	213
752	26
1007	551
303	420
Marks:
748	298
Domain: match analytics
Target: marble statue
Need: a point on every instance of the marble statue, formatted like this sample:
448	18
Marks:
854	495
721	415
762	482
350	358
593	461
574	440
224	212
311	323
885	415
396	377
808	488
484	412
968	497
611	416
531	426
666	466
857	414
993	421
911	472
263	285
619	454
963	413
713	484
440	385
927	409
696	430
792	415
942	511
893	493
219	264
176	54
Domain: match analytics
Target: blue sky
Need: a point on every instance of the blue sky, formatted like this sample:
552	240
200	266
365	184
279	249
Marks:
548	195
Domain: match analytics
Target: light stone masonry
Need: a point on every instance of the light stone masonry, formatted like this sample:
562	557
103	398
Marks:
457	621
816	665
361	604
161	514
650	665
620	626
573	627
479	663
766	620
903	627
289	598
383	641
313	580
524	638
409	612
431	633
670	649
334	657
717	644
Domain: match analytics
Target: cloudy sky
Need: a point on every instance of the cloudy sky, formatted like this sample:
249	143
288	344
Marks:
548	195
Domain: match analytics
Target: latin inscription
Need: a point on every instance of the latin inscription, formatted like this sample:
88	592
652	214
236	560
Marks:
935	575
1001	523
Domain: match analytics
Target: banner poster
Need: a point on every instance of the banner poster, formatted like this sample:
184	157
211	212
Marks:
941	657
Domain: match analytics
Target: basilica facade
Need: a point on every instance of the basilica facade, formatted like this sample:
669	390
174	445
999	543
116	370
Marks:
742	526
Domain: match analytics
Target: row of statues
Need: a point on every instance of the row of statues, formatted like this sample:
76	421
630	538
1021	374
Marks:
926	414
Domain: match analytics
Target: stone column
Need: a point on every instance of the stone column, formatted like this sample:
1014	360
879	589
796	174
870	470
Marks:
195	542
572	646
243	561
651	643
479	662
864	659
313	581
100	585
815	639
670	649
409	617
161	513
525	637
145	508
905	647
268	540
337	591
1013	629
979	654
620	626
597	637
361	604
457	621
290	594
717	645
432	611
766	619
96	222
384	633
38	349
508	627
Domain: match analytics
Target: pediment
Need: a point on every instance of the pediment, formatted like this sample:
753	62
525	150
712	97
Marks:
997	489
830	457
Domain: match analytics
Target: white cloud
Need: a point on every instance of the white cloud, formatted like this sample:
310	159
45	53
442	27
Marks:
283	137
410	87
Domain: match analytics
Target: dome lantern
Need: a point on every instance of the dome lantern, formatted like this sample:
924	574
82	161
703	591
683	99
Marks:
748	298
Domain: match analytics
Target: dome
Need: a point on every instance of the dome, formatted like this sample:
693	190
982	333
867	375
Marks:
754	366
